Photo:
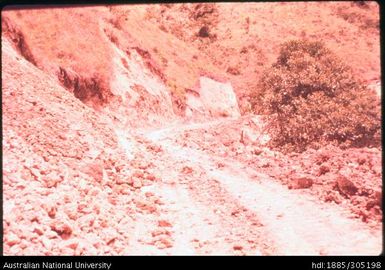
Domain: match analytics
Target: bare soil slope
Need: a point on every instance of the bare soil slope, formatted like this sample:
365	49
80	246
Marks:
99	157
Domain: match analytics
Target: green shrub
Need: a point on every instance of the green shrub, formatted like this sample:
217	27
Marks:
313	100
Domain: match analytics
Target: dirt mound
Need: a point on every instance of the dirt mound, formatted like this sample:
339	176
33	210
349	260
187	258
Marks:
68	186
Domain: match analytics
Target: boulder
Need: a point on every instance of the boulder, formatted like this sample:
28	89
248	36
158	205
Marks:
301	183
345	186
213	98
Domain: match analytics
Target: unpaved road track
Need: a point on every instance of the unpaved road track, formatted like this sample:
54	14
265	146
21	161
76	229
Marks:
237	210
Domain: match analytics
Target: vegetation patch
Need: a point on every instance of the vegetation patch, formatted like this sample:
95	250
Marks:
93	90
313	99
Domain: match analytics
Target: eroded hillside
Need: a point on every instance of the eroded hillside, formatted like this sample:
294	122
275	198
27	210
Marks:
127	129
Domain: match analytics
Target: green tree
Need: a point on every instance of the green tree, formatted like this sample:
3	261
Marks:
313	99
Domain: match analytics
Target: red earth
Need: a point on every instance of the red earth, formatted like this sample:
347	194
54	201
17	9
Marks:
127	130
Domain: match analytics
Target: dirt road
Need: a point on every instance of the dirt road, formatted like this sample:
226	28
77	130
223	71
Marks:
220	206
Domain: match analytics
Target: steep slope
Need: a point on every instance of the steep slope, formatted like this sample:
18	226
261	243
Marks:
122	134
180	63
69	186
42	30
86	61
95	49
244	38
172	38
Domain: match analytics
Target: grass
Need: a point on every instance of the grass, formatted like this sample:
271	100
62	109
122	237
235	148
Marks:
66	37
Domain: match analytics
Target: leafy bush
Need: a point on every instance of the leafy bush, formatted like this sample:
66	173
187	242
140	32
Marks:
313	99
